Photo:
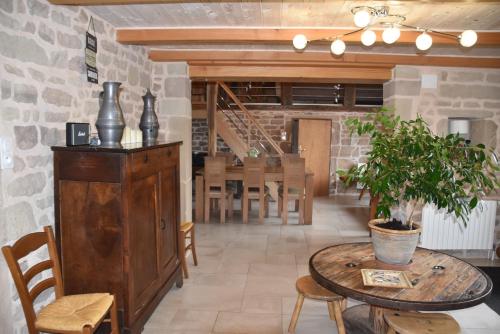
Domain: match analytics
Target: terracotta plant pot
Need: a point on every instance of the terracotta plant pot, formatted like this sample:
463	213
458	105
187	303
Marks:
393	246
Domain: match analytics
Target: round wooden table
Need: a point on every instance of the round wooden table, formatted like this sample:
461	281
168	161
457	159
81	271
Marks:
440	282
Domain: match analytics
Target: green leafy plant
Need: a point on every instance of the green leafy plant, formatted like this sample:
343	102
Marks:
409	165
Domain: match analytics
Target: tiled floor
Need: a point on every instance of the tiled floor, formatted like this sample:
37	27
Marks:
245	280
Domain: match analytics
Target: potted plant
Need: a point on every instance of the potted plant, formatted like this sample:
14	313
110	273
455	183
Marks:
409	166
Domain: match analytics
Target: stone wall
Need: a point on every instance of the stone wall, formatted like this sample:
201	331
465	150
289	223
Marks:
458	92
345	151
43	85
173	86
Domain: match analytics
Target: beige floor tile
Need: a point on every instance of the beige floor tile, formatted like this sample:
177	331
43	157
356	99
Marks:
310	307
236	255
309	324
193	320
219	279
277	270
248	323
280	258
212	298
270	286
233	268
262	304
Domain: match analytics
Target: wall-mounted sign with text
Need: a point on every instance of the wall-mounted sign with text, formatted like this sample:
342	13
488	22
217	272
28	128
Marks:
91	54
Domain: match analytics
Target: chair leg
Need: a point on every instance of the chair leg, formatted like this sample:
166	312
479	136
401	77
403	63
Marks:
183	255
337	313
206	216
222	208
115	328
296	313
301	210
280	206
343	304
262	209
230	201
245	205
193	247
266	206
284	214
87	330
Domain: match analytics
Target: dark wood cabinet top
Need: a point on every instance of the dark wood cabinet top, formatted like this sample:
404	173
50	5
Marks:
126	148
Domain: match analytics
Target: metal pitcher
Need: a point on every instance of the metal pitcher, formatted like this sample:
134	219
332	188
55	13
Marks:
110	122
149	121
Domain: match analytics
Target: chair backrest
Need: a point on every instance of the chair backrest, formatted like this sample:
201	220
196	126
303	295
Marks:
215	171
294	171
21	248
253	172
226	155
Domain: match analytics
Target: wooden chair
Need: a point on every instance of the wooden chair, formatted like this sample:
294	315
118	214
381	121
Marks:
420	323
293	187
254	187
215	188
308	288
66	314
229	156
187	232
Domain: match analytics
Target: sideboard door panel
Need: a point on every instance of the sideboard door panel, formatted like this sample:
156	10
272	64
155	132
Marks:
143	241
168	224
91	212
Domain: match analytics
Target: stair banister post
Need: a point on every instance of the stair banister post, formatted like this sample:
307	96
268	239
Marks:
212	94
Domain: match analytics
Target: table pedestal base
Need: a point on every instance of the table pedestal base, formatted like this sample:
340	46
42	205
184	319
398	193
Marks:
357	320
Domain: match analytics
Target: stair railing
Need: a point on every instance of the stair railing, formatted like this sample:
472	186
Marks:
260	132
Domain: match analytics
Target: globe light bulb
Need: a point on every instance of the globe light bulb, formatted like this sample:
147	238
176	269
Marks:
362	18
337	47
468	38
391	35
423	41
368	37
299	41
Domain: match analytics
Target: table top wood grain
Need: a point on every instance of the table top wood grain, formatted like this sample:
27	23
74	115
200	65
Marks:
458	285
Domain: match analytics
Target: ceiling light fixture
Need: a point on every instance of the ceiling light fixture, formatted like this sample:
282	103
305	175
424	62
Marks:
366	17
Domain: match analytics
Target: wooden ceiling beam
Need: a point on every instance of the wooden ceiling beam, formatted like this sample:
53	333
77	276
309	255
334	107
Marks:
316	59
287	74
159	36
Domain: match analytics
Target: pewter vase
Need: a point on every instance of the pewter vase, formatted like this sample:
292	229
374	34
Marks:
149	122
110	122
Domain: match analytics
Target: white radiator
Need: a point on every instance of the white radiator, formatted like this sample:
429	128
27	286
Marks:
442	231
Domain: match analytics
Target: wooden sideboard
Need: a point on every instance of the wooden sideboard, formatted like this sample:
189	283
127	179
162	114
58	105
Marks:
117	224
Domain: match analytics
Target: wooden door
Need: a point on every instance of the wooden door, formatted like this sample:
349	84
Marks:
314	146
167	236
144	224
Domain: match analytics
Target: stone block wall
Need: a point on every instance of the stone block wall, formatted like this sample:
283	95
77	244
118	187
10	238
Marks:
459	92
173	88
43	86
345	150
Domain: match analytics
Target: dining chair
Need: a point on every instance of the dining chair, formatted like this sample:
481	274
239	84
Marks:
229	156
215	188
254	187
187	232
420	323
66	314
308	288
293	187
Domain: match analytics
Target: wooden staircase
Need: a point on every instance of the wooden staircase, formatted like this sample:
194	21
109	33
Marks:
241	131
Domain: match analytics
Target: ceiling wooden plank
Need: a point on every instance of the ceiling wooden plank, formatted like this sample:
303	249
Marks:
282	73
132	2
158	36
273	58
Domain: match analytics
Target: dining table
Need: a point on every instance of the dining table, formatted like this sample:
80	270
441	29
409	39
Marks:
271	174
437	282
